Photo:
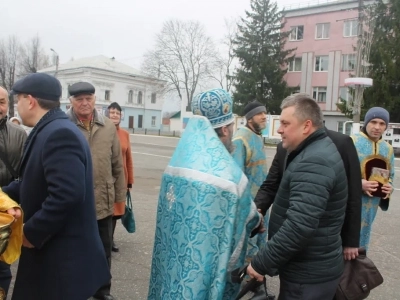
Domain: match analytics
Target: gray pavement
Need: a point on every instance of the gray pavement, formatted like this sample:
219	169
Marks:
131	266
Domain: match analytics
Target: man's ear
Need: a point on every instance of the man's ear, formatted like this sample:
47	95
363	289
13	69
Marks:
307	126
224	131
32	102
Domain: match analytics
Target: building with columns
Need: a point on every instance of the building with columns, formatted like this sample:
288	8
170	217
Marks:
139	96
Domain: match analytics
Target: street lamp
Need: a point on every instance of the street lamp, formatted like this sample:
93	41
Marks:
55	74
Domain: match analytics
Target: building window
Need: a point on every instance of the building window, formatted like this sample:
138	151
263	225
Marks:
139	98
347	130
322	31
153	97
295	65
345	94
348	62
153	121
350	28
296	33
130	96
319	94
321	63
107	95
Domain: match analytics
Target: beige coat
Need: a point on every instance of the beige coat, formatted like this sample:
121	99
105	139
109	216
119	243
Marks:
108	170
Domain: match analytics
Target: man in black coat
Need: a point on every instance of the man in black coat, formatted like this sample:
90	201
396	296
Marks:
304	246
352	223
62	256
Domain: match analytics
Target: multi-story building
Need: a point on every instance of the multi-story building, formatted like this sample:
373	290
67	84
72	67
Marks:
140	97
325	36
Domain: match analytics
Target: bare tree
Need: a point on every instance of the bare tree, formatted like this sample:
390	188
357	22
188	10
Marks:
223	64
183	56
33	57
9	55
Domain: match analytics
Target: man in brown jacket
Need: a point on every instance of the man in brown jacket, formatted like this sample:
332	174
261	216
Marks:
108	171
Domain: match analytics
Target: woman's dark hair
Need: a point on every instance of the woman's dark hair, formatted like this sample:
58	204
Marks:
115	105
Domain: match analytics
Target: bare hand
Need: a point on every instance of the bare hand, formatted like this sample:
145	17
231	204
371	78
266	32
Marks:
387	189
369	187
350	253
254	274
15	212
26	243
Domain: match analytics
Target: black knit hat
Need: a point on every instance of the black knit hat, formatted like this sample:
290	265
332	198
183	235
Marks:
115	105
253	108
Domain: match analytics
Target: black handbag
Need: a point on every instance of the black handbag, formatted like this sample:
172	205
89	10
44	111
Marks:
239	274
360	276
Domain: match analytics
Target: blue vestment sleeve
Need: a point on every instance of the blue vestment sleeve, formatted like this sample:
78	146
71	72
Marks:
239	153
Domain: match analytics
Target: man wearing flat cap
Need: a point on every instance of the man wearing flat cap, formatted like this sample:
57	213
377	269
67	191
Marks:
109	177
62	255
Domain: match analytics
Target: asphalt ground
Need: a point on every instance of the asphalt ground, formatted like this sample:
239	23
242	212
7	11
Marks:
131	265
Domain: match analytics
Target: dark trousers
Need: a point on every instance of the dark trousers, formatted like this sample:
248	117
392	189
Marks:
114	224
5	276
105	231
295	291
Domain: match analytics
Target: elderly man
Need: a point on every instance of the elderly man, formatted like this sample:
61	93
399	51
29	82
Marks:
109	178
305	247
205	214
62	255
12	139
374	153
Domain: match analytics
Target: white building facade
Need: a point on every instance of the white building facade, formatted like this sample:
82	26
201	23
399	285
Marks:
139	96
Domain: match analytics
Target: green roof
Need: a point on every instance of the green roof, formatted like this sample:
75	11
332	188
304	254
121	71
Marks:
177	115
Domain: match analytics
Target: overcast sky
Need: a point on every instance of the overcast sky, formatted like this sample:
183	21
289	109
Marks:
123	29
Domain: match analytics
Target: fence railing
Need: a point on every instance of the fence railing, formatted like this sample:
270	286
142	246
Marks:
158	132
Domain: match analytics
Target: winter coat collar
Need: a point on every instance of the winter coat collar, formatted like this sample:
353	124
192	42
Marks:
317	135
98	119
50	116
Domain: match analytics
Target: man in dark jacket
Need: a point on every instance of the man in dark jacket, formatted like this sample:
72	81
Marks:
305	247
62	256
12	139
352	223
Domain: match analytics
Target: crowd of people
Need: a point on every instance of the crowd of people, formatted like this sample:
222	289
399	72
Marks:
219	206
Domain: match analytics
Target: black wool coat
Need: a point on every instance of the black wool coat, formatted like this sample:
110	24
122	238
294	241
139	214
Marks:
55	191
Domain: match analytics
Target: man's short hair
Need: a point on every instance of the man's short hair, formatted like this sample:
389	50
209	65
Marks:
306	108
48	104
